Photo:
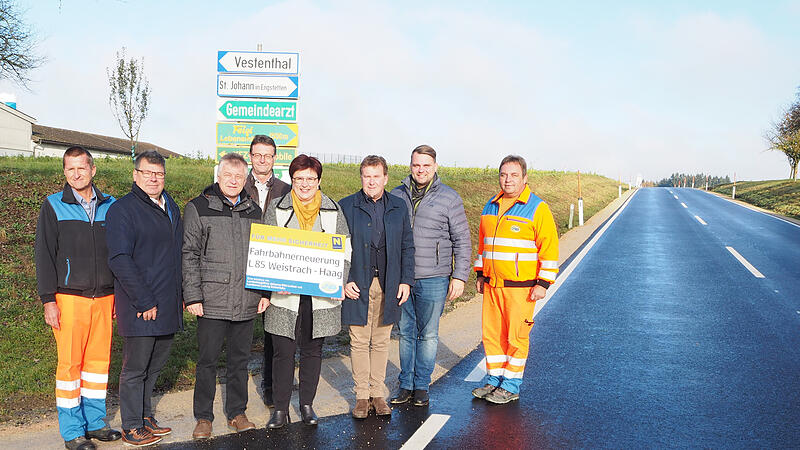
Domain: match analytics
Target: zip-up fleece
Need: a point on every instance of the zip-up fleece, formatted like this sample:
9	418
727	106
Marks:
216	238
518	248
70	252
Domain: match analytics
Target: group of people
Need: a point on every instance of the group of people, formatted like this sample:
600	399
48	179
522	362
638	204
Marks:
408	251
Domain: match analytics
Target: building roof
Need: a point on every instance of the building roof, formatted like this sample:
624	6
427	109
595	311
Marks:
92	141
16	112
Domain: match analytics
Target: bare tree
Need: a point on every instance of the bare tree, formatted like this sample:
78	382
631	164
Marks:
784	136
17	45
129	96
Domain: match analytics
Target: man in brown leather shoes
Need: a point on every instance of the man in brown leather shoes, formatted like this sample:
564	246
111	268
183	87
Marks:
380	279
216	237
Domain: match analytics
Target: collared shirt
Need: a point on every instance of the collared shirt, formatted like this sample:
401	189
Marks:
160	201
90	207
377	248
263	190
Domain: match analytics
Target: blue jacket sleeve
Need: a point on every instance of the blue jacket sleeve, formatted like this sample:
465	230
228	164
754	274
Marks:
407	251
120	238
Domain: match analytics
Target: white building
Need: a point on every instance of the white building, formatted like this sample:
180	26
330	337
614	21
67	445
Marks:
20	135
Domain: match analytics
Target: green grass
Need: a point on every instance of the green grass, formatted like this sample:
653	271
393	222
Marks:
780	196
27	346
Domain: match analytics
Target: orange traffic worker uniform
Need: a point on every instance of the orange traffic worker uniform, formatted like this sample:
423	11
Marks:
517	250
72	271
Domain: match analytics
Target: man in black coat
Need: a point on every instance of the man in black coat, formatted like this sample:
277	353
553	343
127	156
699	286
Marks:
144	235
380	279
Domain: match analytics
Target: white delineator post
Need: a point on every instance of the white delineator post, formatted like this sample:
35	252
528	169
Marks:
733	191
571	214
580	201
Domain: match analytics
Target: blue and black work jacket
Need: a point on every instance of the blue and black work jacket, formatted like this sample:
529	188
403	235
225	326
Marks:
70	251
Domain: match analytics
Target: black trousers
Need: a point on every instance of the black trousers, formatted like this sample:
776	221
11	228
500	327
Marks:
238	336
143	357
310	360
266	371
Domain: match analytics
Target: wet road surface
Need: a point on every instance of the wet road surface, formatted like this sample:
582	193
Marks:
660	337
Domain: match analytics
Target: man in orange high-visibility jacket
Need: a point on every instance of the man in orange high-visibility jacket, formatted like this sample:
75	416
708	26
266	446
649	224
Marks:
77	290
517	261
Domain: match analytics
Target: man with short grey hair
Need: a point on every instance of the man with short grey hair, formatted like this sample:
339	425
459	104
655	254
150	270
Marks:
216	238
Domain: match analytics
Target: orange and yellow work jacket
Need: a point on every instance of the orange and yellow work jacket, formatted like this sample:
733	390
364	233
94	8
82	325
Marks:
519	247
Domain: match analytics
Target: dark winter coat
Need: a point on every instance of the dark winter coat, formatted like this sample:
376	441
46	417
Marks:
399	256
277	190
216	238
144	253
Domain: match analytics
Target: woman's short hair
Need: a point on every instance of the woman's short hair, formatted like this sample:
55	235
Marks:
302	162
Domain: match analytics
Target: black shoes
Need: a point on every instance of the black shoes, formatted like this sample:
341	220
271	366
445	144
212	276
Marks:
80	443
268	402
402	396
105	434
279	419
308	415
421	397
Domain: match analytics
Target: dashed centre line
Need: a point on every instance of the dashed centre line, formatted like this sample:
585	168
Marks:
684	205
676	197
745	262
700	220
426	432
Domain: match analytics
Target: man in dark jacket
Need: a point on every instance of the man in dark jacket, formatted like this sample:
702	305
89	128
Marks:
381	274
216	237
443	250
77	291
262	186
145	235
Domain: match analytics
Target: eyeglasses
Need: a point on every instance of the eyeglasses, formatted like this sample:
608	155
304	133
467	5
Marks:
150	173
261	157
304	180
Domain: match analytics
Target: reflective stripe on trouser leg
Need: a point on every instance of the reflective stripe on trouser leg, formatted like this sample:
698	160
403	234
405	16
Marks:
518	314
96	360
493	330
71	341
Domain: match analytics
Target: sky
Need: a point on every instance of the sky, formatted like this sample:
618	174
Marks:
618	88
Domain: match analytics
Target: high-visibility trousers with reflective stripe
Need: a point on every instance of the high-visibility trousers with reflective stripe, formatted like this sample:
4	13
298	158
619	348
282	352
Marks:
84	353
507	323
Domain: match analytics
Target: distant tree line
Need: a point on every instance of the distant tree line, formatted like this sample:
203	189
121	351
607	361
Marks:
678	179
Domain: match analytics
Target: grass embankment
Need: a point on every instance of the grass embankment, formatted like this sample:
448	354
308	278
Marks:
27	347
780	196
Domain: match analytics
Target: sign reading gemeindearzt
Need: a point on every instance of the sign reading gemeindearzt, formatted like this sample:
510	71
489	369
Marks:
296	261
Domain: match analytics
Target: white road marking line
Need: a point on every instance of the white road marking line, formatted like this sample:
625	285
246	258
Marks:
684	205
676	197
700	220
478	372
745	262
426	432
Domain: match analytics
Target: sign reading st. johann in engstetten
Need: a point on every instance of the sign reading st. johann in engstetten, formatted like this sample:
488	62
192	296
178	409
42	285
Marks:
262	86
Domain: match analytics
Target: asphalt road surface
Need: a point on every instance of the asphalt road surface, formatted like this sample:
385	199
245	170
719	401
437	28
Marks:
677	326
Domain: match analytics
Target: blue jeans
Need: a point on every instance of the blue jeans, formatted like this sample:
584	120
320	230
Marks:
419	331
